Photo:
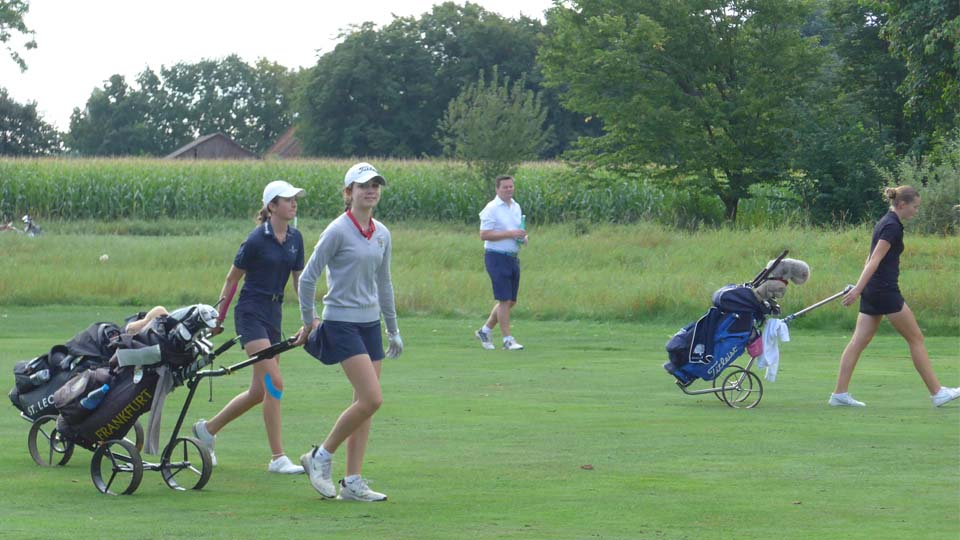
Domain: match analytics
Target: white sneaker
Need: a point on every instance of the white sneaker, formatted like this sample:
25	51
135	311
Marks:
358	490
844	400
206	439
512	345
319	472
945	395
485	341
283	465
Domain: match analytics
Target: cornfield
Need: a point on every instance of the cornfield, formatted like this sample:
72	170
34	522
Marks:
549	192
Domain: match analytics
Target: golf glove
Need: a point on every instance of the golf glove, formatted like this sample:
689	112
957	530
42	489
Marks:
396	345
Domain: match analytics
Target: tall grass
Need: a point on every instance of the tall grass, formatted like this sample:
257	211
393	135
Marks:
550	192
640	272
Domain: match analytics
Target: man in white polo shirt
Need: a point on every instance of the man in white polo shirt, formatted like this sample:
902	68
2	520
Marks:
502	232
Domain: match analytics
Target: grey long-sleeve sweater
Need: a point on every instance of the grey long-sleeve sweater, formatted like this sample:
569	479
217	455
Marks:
359	287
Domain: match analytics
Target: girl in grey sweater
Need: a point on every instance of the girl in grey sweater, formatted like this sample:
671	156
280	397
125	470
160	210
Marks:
355	250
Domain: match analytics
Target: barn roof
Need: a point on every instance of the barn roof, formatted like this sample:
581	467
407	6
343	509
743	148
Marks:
204	139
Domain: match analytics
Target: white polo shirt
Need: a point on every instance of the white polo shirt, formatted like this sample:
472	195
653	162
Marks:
500	216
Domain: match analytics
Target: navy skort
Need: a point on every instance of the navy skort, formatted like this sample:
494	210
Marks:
259	320
881	303
335	341
504	271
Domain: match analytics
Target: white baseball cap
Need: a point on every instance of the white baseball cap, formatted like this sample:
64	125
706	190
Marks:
279	188
361	173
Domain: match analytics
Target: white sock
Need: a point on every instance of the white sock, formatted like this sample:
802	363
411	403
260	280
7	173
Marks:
841	395
323	454
352	478
486	330
507	338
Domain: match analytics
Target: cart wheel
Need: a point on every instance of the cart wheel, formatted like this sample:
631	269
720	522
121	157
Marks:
115	464
47	446
742	389
717	392
138	436
185	464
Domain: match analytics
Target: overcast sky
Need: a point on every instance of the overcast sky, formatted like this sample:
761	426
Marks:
82	43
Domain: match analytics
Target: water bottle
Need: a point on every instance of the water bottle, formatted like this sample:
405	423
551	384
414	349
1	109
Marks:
95	397
40	377
523	226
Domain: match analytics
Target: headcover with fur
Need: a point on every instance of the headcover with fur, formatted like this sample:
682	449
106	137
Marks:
775	286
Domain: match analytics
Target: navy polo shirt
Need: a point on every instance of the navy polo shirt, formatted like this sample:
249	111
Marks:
267	263
885	279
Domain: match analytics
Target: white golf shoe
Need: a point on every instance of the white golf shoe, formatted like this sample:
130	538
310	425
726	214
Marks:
844	400
945	395
512	345
206	439
283	465
485	340
318	469
357	490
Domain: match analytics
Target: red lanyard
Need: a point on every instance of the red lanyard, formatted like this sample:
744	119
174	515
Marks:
366	234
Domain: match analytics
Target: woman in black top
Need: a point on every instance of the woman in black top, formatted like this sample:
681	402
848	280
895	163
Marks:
879	295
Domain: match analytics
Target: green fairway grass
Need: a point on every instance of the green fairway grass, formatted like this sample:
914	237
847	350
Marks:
580	436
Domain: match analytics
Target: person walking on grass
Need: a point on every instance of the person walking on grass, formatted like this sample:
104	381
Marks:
879	295
502	231
355	249
266	260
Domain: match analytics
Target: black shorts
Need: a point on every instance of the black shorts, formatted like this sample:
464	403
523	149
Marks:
335	341
881	303
255	321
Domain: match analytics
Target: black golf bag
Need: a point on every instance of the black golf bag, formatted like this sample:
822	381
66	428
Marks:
36	380
143	370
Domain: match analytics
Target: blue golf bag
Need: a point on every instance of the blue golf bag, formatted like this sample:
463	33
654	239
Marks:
705	347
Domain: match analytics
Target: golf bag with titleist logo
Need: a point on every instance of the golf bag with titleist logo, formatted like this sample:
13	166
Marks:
705	347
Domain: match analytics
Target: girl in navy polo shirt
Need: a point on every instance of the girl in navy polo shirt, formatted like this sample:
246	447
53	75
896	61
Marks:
266	260
879	293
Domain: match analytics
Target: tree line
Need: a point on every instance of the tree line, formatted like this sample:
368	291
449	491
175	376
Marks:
720	96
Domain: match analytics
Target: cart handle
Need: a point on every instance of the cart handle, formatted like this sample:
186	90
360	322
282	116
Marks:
269	352
808	309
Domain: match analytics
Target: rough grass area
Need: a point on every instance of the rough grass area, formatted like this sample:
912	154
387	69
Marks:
635	273
582	435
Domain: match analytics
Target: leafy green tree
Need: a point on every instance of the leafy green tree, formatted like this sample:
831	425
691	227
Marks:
23	132
369	96
114	123
11	21
494	127
925	35
246	103
701	88
164	111
866	73
383	90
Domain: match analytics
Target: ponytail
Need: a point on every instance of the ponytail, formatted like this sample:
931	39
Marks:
347	197
900	194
